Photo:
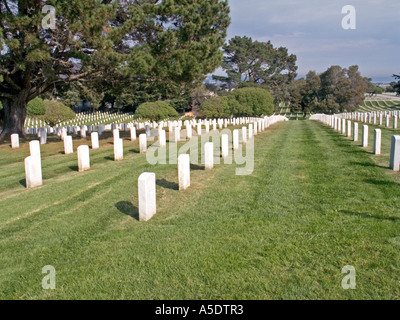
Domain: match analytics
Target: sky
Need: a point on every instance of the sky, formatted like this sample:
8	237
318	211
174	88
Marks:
312	30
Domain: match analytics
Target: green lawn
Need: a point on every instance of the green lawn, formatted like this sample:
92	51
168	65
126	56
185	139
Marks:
315	203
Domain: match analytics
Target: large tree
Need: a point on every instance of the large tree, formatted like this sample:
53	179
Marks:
257	62
163	46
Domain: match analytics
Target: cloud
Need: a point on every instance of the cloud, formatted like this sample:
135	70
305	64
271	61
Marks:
312	30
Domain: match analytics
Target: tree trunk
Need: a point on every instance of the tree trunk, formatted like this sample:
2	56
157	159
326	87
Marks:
14	116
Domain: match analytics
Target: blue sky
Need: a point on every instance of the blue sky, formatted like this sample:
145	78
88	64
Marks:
312	30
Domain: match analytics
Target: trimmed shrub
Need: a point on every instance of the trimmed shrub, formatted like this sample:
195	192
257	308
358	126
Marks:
216	107
253	102
155	111
57	112
36	107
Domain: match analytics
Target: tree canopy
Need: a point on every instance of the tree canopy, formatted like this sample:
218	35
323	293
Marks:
257	62
159	48
335	90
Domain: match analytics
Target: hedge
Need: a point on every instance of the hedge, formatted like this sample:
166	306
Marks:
155	111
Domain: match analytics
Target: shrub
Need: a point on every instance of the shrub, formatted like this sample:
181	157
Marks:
253	102
155	111
36	107
1	106
216	107
57	112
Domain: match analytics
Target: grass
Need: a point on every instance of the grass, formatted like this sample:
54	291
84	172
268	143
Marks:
315	203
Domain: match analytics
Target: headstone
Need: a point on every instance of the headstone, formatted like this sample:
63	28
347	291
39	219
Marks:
377	141
33	172
235	142
147	195
118	150
244	134
34	148
395	122
83	158
355	131
15	141
209	155
250	131
177	134
116	134
189	131
43	135
349	128
395	153
83	132
95	140
133	133
365	136
224	145
68	146
143	143
162	138
184	171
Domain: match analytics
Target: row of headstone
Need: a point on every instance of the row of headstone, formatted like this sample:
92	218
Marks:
147	180
335	123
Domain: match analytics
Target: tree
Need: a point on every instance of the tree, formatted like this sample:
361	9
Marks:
396	85
56	112
155	111
258	62
253	102
160	47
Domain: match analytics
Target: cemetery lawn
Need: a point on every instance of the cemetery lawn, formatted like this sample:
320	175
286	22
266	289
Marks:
315	203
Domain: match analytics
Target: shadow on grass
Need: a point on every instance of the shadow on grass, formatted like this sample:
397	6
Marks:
109	158
197	167
128	208
367	215
22	182
167	184
367	164
74	168
383	183
134	151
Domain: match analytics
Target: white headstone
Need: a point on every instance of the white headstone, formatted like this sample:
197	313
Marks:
365	136
377	141
95	140
83	158
118	150
209	155
224	145
184	171
33	172
349	128
143	143
68	146
15	141
162	138
250	131
133	133
34	148
177	134
395	153
147	195
244	134
235	143
355	131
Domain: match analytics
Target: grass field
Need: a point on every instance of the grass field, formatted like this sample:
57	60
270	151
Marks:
315	203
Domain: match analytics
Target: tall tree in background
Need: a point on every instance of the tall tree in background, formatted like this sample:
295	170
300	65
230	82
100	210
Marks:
258	63
162	46
396	86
